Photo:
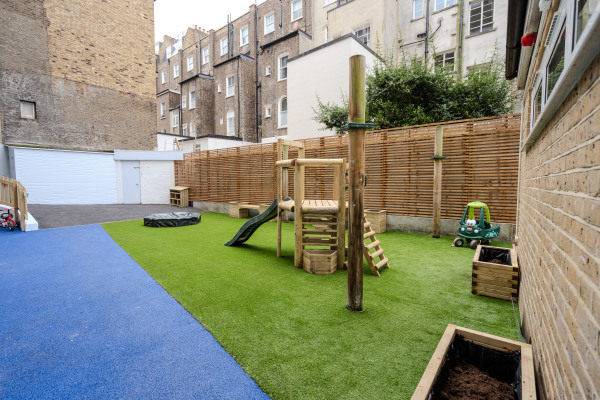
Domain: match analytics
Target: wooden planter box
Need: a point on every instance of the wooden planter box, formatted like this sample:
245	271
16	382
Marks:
492	279
179	196
487	350
322	262
377	220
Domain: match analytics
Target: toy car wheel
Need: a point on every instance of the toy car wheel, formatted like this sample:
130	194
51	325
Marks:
11	226
458	242
474	244
486	241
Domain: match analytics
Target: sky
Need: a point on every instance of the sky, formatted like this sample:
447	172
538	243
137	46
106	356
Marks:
172	17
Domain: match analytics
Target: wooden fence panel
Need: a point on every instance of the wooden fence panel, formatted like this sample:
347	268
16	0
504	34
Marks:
481	164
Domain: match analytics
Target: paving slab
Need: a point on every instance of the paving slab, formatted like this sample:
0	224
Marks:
59	216
80	319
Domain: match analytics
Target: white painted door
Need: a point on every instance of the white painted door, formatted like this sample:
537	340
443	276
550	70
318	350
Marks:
131	182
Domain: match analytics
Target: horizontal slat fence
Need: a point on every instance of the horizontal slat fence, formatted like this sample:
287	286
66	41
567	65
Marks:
481	164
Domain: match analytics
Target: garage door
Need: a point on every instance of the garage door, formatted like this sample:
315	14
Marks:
65	177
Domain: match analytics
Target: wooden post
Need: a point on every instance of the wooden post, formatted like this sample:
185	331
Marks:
437	181
298	215
341	225
280	173
356	175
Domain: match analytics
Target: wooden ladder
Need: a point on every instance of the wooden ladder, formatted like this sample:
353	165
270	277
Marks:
377	254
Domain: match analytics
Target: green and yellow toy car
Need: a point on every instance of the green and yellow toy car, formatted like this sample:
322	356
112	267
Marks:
476	232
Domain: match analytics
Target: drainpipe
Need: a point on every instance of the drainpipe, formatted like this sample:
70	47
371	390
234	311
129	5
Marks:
280	15
460	38
238	94
427	30
256	66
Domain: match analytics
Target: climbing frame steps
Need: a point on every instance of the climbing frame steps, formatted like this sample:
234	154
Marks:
372	257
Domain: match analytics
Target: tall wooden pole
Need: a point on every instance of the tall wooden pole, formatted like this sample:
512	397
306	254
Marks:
356	185
437	181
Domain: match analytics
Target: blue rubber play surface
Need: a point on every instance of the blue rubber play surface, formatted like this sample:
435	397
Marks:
80	319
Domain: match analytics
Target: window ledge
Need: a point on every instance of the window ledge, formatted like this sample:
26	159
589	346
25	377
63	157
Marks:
417	19
281	80
165	117
480	33
297	19
282	127
228	96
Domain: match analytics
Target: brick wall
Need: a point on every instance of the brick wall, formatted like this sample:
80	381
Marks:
89	67
559	231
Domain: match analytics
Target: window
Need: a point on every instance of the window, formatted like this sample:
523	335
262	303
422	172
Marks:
441	4
193	128
27	110
364	35
417	9
445	59
163	76
205	56
244	36
190	63
230	125
192	99
282	67
218	88
296	9
175	70
198	147
569	45
556	64
175	118
163	110
282	123
224	46
268	112
327	2
326	34
230	88
481	17
184	101
269	23
184	130
169	51
267	71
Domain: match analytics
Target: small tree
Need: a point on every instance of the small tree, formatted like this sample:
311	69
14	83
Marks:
414	92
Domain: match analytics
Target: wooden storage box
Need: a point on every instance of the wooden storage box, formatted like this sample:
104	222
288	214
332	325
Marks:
496	356
179	196
495	273
236	210
320	261
377	220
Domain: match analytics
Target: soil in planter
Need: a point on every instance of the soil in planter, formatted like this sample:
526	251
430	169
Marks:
466	381
496	256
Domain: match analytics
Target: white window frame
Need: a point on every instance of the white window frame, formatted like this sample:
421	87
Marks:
326	34
268	112
355	32
184	130
193	128
184	101
272	25
218	88
192	99
328	2
576	59
280	69
175	118
422	9
445	4
163	110
176	70
242	42
229	88
163	76
224	44
190	62
445	56
488	27
205	56
267	71
279	113
230	123
292	11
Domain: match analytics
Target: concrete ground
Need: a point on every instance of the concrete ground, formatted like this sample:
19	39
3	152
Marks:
59	216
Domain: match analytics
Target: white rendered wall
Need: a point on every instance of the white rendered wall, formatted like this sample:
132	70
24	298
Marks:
156	178
328	69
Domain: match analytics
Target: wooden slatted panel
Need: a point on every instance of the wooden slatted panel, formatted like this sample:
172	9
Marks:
481	164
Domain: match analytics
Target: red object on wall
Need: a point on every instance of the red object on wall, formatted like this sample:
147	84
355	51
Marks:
529	39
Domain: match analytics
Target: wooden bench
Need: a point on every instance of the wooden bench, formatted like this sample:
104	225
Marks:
239	209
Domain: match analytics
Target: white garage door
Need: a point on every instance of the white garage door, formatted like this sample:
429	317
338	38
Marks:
65	177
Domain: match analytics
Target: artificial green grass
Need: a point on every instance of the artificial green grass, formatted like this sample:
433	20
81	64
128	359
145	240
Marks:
291	331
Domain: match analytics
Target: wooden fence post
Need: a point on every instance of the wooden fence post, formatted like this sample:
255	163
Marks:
437	181
356	175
